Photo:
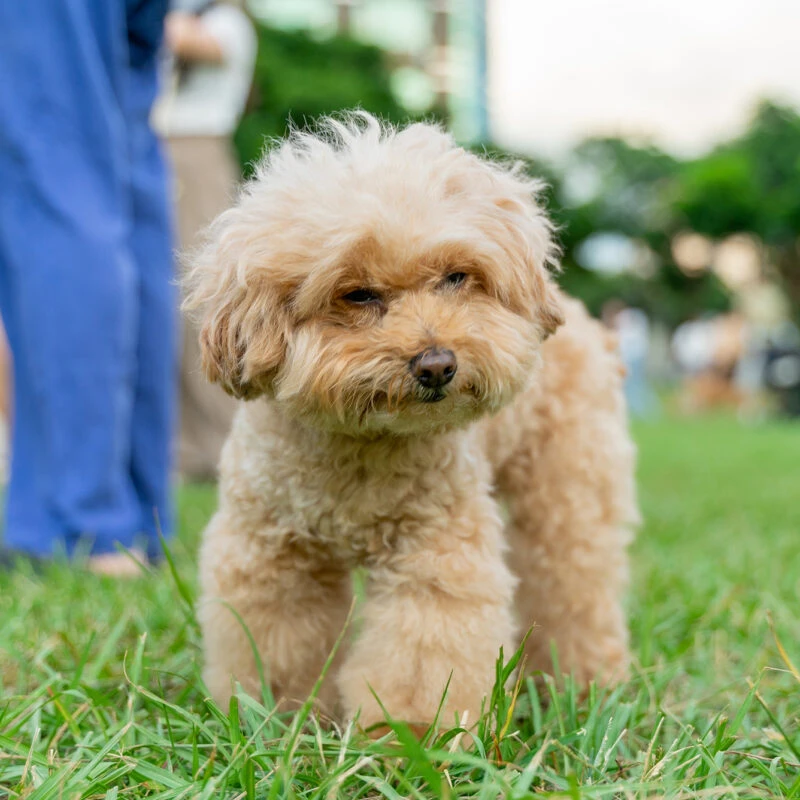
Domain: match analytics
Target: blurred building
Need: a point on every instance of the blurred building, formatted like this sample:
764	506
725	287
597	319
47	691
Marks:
437	48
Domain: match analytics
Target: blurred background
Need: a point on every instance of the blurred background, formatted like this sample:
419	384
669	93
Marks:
668	132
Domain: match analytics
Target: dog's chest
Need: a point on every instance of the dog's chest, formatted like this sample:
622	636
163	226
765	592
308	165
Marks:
348	501
357	517
361	510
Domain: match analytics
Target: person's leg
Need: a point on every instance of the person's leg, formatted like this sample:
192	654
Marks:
5	376
67	279
151	245
5	403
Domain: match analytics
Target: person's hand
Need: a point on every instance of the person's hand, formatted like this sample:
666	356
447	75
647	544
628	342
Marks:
187	38
179	26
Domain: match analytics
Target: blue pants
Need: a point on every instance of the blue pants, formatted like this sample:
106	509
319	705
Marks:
86	292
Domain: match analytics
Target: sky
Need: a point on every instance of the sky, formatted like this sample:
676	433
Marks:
684	73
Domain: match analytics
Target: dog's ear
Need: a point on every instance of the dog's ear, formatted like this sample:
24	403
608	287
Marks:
240	310
243	342
549	310
530	242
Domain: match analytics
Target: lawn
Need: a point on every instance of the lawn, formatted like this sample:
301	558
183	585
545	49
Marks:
101	695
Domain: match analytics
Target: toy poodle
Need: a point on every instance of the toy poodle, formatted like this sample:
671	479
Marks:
424	403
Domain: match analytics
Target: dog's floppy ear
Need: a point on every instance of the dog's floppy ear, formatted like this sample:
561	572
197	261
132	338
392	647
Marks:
243	342
517	222
551	315
240	311
532	244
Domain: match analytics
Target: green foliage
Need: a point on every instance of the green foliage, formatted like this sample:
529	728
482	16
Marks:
632	190
718	195
633	198
751	184
102	694
299	78
630	180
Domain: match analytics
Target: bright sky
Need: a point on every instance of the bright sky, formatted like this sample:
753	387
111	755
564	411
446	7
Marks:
684	72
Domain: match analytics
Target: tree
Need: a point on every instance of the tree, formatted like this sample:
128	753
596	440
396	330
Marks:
299	78
751	185
630	190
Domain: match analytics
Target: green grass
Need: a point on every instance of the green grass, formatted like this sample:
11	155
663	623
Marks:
102	695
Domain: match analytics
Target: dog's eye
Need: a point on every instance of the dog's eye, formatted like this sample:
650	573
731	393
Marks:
454	279
362	297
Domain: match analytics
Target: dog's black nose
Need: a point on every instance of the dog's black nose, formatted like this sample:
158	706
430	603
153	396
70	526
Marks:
434	368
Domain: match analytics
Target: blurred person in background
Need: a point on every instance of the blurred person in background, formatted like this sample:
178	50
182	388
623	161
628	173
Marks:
708	350
86	280
633	331
770	358
693	346
213	47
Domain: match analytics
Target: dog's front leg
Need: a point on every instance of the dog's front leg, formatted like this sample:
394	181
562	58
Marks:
437	612
264	593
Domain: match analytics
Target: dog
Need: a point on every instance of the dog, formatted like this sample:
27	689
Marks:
424	403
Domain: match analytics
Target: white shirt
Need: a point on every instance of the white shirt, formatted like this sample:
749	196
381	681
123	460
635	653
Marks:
211	98
633	330
693	345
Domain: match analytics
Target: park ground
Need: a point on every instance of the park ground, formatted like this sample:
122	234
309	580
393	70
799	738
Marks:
101	695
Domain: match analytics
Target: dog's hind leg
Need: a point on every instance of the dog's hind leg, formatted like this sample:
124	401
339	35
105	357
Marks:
268	594
570	522
569	487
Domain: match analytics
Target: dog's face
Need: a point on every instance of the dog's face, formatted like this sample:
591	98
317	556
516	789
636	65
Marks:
375	282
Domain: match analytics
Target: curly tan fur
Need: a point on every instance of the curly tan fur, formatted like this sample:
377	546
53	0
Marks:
344	460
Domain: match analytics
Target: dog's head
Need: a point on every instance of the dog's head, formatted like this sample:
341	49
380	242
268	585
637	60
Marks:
377	281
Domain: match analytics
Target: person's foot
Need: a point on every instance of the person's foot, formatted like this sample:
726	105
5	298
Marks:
128	564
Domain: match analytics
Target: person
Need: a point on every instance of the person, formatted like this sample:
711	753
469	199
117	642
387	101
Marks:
707	350
768	373
632	327
5	369
214	49
86	280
